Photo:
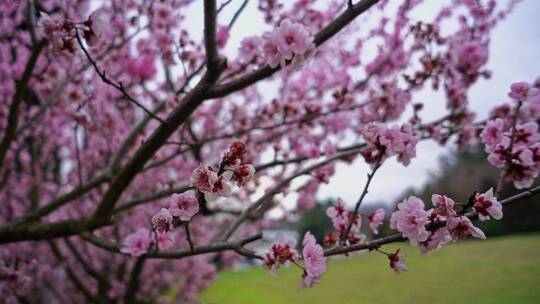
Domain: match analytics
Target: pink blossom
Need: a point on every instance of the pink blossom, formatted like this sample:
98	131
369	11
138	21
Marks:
497	153
397	263
234	155
527	134
242	173
165	240
288	40
330	239
461	226
314	261
436	240
60	33
293	39
184	206
519	91
341	217
330	149
522	168
98	24
137	243
472	55
212	185
47	26
409	140
220	186
249	48
410	219
444	207
337	211
376	219
487	206
202	178
282	253
391	140
396	140
270	50
142	67
305	201
493	132
162	221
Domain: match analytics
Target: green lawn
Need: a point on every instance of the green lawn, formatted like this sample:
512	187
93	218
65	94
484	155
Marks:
500	270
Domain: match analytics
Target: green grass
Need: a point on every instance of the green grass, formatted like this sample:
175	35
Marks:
500	270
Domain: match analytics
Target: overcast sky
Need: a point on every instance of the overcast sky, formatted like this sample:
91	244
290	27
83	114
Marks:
514	56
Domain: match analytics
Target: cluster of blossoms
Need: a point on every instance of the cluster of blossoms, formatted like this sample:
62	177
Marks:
289	41
62	33
182	208
138	242
283	253
185	205
430	229
231	170
426	229
512	139
341	218
385	142
471	56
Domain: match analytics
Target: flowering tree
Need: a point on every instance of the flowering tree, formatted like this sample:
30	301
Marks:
133	150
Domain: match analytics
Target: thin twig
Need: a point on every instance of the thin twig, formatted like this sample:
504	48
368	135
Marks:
210	40
237	246
362	196
237	14
188	237
133	283
119	86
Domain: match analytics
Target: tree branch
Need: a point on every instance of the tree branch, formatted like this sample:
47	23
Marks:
17	233
362	196
237	246
73	276
133	283
62	200
87	268
20	90
210	42
237	13
321	37
188	236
